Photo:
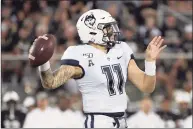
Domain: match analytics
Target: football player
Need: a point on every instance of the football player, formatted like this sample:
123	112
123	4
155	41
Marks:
101	67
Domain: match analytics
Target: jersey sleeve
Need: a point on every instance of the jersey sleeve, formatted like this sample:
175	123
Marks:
71	57
128	53
69	53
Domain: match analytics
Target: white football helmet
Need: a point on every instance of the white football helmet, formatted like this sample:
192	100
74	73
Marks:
98	26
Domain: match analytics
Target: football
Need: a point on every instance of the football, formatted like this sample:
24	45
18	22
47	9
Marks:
42	50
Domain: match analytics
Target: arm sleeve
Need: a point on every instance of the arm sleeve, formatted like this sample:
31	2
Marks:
71	57
128	53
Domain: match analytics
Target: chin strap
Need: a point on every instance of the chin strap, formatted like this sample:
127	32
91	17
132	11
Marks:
110	45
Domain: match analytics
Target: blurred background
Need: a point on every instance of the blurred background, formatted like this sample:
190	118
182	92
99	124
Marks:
26	104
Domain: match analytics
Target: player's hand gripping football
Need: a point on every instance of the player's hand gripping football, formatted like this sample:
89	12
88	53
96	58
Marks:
42	50
154	48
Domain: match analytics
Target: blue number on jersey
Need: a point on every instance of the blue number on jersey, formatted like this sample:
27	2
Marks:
110	79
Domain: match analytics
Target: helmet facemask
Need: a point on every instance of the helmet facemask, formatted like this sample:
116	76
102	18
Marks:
111	34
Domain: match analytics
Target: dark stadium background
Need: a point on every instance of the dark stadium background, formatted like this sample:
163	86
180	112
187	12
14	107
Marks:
24	20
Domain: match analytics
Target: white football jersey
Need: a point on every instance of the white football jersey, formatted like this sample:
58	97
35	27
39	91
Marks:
103	82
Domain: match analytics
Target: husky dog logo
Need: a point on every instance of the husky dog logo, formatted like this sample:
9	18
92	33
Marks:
90	21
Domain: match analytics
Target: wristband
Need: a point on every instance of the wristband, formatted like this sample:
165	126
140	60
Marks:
44	67
150	68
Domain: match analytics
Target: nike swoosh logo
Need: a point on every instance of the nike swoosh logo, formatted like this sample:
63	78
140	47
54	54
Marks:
119	57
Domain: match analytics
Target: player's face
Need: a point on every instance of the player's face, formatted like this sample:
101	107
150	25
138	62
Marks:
108	30
110	33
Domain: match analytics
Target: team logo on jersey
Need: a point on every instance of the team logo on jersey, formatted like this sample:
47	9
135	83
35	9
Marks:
90	21
119	57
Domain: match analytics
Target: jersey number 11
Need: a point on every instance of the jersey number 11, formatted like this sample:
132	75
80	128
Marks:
110	78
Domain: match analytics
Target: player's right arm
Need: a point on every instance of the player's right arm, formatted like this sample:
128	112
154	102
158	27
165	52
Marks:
52	80
70	69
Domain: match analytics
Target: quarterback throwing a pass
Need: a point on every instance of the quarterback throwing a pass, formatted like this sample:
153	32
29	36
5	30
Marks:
101	67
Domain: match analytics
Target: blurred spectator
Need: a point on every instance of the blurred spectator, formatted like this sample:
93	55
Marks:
146	8
41	29
166	114
64	5
187	86
132	23
6	12
20	18
67	118
70	34
76	102
64	111
29	103
186	45
130	38
180	6
183	100
27	6
77	107
12	116
114	10
145	118
131	5
77	8
9	36
24	43
178	72
63	101
148	31
68	37
44	7
172	33
43	116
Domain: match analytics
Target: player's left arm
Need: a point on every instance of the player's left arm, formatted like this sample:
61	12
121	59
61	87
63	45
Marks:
145	81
